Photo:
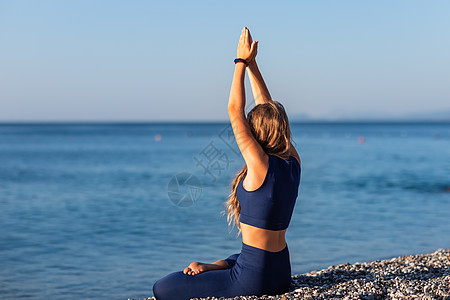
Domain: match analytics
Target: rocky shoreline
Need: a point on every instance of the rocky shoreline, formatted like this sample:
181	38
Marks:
424	276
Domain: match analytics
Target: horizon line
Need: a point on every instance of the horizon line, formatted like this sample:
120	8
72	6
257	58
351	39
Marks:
308	121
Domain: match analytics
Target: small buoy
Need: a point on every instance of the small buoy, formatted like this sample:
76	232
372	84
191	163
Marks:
361	140
158	137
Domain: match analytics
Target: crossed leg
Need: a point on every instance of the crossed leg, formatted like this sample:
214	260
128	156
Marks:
182	286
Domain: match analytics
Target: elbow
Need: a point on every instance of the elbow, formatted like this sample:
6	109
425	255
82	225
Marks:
235	104
234	109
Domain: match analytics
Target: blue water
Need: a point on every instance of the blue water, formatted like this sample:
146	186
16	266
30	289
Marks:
85	211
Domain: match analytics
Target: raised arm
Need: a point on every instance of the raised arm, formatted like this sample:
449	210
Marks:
236	101
259	88
253	154
246	50
260	91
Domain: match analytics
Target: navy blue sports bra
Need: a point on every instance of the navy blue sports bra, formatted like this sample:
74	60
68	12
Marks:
271	205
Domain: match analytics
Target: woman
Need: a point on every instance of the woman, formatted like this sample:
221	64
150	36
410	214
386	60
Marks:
261	201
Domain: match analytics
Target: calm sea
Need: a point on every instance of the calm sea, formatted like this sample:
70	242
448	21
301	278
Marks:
104	210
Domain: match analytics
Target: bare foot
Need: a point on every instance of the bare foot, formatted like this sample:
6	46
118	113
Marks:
197	267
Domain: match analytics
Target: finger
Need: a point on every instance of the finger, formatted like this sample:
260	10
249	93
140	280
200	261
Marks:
241	40
254	46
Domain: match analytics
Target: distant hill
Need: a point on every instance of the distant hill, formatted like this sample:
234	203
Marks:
431	116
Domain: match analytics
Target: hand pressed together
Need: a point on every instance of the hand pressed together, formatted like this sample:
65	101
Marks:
247	49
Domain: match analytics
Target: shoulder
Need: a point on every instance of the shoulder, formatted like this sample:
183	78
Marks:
295	159
295	163
294	154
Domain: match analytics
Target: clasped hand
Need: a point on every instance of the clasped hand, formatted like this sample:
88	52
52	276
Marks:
247	49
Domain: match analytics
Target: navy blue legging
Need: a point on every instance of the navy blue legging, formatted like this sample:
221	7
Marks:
252	272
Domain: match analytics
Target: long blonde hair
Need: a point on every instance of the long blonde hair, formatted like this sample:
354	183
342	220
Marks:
269	125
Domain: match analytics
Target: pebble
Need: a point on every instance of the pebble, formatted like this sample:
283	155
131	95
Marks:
425	276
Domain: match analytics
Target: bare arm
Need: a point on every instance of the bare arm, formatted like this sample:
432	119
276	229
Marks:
254	156
237	92
236	110
261	92
246	50
259	88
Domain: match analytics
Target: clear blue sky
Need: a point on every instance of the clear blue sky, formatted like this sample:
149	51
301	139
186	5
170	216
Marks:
173	60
